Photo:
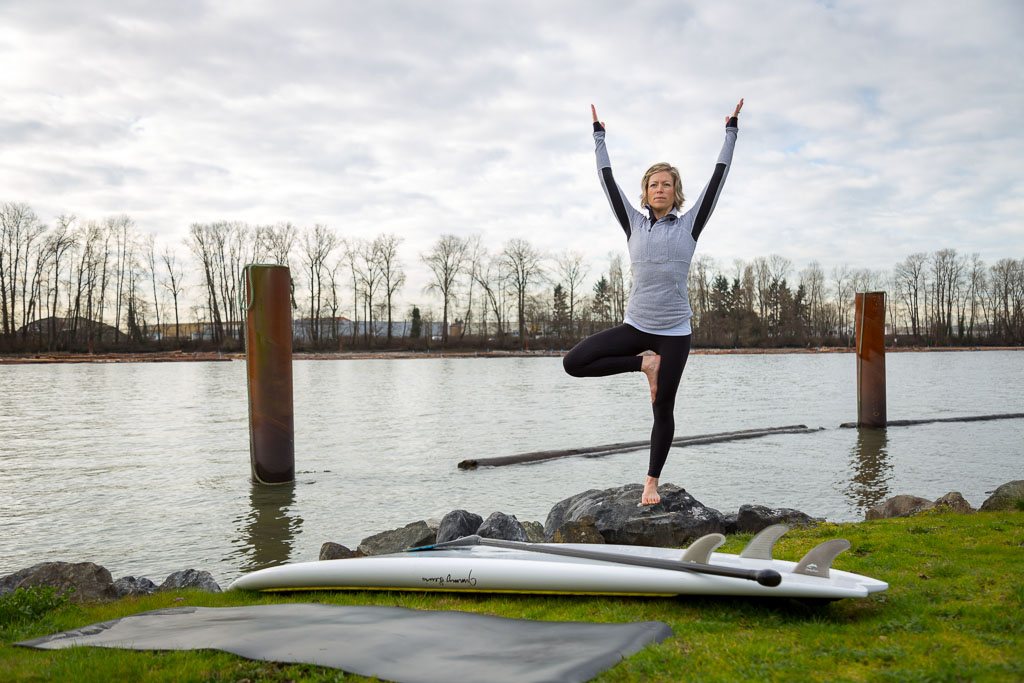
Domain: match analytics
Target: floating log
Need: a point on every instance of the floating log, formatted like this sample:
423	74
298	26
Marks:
625	446
969	418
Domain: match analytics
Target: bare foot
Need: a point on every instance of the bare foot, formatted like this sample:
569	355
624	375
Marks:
650	366
650	495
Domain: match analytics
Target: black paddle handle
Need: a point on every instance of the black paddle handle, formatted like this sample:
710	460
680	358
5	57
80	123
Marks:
765	577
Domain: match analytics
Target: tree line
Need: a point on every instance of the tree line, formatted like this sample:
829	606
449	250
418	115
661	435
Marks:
79	285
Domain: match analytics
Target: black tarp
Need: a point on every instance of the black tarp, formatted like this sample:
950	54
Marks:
392	643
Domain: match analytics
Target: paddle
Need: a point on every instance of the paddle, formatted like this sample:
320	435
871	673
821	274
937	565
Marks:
765	577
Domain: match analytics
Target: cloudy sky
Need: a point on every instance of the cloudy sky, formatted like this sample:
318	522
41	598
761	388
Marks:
871	130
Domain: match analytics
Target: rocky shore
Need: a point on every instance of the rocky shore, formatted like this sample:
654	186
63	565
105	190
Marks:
594	516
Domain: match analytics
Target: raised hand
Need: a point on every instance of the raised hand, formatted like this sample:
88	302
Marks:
594	112
735	113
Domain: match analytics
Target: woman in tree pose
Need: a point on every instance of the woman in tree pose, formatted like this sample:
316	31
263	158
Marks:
661	242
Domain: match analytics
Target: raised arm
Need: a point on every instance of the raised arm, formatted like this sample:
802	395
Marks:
624	212
708	198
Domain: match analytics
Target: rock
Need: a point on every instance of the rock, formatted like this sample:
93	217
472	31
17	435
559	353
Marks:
898	506
9	583
130	586
336	551
190	578
534	532
504	527
397	540
752	518
89	581
1005	497
730	521
456	524
582	531
676	520
955	502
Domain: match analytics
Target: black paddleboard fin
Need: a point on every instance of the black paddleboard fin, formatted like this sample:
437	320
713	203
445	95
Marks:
818	560
701	549
760	546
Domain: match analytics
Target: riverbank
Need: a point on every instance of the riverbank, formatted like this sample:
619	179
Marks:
181	356
952	612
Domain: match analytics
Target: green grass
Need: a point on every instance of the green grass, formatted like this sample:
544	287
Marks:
954	611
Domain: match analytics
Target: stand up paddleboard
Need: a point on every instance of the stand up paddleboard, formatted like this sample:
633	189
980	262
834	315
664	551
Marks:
496	566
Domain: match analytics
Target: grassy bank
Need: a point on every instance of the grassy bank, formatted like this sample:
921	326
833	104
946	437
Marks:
954	611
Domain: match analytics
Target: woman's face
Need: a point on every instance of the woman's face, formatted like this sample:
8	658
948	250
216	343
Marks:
661	192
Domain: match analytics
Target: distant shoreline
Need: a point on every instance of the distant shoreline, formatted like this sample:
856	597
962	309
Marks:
206	356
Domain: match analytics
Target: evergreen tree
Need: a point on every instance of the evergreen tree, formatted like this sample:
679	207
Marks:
414	331
560	310
602	300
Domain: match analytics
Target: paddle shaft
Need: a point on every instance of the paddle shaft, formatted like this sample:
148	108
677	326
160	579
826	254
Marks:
765	577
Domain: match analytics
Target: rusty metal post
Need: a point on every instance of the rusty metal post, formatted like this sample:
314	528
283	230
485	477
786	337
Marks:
268	356
870	336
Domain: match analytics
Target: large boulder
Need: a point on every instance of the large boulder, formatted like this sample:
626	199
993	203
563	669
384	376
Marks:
9	583
130	586
582	531
84	581
1006	497
190	578
955	501
456	524
534	532
336	551
753	518
395	541
504	527
678	519
898	506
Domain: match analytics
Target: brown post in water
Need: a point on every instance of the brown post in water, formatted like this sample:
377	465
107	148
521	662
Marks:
870	337
268	356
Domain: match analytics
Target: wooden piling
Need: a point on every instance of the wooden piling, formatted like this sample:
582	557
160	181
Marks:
268	355
870	337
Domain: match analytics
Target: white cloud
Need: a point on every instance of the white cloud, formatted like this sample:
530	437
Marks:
871	130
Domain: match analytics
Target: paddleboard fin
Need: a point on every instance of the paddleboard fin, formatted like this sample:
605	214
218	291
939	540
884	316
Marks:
701	549
760	546
819	559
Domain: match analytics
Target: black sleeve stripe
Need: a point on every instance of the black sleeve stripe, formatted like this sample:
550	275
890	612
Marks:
616	199
710	195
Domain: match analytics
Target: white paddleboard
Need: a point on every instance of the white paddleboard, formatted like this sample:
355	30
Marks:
482	568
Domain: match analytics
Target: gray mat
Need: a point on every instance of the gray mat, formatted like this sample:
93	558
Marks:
392	643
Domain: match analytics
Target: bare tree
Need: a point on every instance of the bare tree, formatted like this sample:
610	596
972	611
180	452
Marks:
523	263
21	228
841	278
173	284
571	271
969	310
909	276
618	279
812	278
203	242
370	277
150	254
316	247
445	260
386	249
58	243
700	285
350	254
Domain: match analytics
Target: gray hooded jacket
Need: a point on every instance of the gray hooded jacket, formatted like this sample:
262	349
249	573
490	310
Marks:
660	250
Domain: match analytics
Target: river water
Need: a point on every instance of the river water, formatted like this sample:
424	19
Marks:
144	468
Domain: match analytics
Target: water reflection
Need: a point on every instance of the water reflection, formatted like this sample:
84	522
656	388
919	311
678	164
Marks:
872	471
267	532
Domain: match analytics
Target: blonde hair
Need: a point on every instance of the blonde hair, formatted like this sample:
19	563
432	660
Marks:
677	182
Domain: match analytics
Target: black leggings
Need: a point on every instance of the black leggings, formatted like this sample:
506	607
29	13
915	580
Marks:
614	351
